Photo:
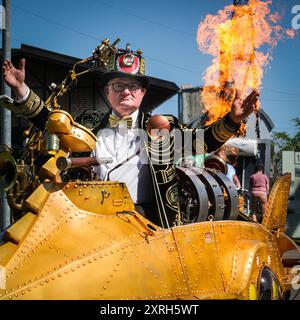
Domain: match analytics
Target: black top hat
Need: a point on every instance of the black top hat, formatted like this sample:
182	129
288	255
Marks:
126	63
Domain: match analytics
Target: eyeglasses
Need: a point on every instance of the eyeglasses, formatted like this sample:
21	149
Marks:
119	87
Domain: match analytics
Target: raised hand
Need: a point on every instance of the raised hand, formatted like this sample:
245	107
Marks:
15	78
240	108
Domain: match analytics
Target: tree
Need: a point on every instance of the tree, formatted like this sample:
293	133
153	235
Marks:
282	141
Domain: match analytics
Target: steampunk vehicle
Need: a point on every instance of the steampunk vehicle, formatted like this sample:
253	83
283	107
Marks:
74	237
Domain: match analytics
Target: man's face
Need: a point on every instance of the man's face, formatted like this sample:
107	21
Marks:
124	101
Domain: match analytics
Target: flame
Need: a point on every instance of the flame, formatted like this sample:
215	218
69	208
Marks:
241	40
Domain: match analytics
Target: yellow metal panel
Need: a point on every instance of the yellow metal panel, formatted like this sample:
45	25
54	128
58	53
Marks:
198	257
276	209
96	253
99	197
49	169
244	249
39	197
6	252
18	230
253	292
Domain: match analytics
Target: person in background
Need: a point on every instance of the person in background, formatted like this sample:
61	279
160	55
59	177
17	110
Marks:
259	189
231	172
229	155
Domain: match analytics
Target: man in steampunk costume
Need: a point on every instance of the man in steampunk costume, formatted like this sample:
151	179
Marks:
152	185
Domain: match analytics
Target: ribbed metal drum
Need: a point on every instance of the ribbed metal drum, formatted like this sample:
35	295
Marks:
206	194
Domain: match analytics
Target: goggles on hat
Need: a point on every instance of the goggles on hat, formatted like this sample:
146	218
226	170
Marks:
127	61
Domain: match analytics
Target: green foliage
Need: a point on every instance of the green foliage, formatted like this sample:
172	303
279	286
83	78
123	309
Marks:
284	142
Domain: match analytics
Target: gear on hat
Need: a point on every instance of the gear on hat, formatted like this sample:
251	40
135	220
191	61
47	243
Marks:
127	64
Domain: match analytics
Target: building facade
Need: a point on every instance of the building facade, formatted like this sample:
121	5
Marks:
291	163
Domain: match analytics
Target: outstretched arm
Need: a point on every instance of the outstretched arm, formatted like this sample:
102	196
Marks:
220	131
27	103
15	78
241	109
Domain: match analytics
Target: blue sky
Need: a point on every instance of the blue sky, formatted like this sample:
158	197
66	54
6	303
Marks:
165	30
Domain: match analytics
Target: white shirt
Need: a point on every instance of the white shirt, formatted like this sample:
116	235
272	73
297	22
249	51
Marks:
123	146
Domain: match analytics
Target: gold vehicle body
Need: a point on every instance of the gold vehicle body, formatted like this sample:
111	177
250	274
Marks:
84	240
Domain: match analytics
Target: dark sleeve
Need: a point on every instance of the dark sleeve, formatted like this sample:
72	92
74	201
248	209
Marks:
219	132
34	109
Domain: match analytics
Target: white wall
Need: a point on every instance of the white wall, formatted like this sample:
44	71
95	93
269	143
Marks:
291	163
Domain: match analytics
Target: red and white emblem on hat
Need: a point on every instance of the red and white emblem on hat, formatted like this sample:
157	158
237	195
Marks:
128	63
